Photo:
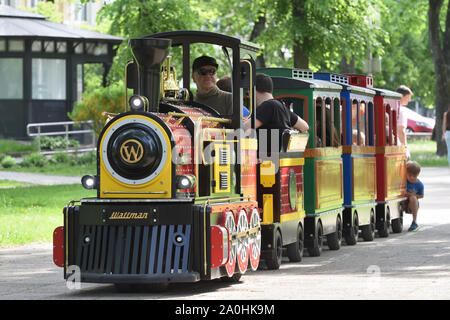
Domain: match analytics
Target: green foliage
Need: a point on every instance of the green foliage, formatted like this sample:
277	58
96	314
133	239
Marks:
55	143
110	99
131	19
8	145
407	58
7	162
34	160
60	157
48	9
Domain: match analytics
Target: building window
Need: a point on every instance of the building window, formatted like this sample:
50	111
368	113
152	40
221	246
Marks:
61	47
49	46
96	49
48	79
2	45
16	45
36	46
11	86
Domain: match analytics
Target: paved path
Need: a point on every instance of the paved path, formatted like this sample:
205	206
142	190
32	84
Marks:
405	266
37	178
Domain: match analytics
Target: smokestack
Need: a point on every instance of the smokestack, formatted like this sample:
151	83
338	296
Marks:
149	54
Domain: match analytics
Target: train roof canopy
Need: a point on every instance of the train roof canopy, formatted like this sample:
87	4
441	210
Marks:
289	83
192	36
387	93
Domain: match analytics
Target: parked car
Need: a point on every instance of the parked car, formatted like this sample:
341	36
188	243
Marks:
418	123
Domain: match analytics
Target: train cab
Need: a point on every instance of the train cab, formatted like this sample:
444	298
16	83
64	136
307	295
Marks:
317	102
358	155
176	180
390	158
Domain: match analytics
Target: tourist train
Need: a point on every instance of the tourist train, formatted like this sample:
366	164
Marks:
186	194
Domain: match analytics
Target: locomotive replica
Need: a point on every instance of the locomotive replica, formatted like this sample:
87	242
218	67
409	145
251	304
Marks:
185	194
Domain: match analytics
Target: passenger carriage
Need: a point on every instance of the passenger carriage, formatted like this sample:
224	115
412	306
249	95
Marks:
390	158
358	155
317	102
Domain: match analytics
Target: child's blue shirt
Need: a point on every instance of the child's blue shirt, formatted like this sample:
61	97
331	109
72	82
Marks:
417	187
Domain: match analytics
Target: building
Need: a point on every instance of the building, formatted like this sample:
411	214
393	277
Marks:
41	67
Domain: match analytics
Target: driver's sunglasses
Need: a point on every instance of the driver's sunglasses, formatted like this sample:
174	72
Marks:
204	72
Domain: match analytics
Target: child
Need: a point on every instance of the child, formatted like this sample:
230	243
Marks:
414	191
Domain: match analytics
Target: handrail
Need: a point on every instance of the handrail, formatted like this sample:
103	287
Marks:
66	132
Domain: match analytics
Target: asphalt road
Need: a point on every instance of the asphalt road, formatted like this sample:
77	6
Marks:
410	265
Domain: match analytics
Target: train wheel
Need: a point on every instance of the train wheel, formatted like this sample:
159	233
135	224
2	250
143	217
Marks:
316	250
227	220
352	237
397	224
274	261
295	250
383	232
368	231
254	239
334	240
242	248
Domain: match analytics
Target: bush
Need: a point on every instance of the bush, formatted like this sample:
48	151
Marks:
8	162
87	158
110	99
60	157
55	143
34	160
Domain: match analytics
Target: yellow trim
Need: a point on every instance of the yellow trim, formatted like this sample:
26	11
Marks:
267	173
218	168
292	216
158	187
297	142
290	162
267	208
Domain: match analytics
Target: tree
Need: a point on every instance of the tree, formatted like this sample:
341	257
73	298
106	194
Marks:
131	19
440	51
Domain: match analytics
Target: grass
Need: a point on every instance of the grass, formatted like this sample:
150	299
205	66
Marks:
424	152
6	184
30	214
15	146
63	169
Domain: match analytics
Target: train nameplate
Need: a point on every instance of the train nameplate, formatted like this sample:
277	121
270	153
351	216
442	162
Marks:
133	216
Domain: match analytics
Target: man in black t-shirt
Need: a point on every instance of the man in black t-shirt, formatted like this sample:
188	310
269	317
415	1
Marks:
271	113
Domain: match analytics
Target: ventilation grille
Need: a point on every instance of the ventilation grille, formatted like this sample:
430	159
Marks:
337	78
223	180
302	74
134	249
223	157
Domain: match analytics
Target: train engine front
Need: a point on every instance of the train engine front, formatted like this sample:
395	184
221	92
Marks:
160	216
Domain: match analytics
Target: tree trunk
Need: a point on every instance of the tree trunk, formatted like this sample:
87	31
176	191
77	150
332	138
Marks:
441	58
258	29
301	45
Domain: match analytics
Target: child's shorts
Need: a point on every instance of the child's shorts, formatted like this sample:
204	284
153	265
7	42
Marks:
405	206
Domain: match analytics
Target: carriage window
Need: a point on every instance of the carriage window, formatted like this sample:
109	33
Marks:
296	105
388	125
362	124
394	127
370	124
337	123
355	107
328	123
319	120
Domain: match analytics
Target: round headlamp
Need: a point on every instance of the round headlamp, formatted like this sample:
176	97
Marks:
89	182
138	103
186	181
